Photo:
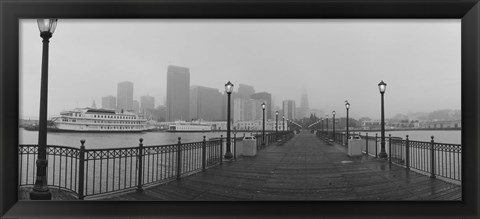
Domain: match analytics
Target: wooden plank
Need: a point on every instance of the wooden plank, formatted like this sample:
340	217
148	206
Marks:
305	168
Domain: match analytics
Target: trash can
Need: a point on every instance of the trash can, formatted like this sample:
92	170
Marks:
249	146
355	146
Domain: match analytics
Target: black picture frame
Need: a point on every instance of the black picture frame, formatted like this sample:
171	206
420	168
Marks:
466	10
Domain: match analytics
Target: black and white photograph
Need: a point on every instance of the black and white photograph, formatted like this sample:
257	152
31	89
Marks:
240	110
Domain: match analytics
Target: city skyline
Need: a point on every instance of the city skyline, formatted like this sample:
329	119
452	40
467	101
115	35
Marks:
419	70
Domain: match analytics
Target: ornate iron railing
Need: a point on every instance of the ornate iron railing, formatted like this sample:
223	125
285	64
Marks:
96	172
62	170
432	158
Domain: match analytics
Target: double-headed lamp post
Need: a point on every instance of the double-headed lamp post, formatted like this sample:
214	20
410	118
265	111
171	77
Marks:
347	106
263	129
276	124
40	190
333	121
228	89
382	86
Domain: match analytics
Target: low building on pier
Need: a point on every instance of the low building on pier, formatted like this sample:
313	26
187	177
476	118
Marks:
443	124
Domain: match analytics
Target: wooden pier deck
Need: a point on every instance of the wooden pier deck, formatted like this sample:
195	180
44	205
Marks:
305	168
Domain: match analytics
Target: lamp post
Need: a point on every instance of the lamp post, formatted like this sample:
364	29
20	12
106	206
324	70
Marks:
263	129
333	121
276	124
322	124
40	190
283	122
327	125
382	86
347	106
228	89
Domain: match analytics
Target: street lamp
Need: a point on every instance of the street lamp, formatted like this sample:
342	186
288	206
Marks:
283	122
347	106
276	124
40	190
327	125
333	120
382	86
263	130
322	124
228	89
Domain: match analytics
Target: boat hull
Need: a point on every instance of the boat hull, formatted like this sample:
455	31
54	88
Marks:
188	130
95	131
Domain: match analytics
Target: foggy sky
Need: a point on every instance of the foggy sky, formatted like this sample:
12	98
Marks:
333	60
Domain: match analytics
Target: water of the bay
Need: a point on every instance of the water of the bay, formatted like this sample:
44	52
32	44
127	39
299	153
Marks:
117	140
441	136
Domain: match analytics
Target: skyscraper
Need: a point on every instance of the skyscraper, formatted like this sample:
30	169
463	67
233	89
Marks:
109	102
289	109
178	93
136	106
267	97
304	100
125	96
147	103
304	109
245	91
205	103
239	109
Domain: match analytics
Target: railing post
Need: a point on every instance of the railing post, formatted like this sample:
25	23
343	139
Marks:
376	144
234	145
221	149
204	153
179	158
407	153
432	159
140	166
81	171
390	148
366	143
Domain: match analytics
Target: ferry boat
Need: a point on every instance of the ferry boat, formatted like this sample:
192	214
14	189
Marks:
97	120
182	126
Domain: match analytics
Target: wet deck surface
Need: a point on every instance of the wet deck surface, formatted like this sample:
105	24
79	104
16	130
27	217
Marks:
305	168
57	194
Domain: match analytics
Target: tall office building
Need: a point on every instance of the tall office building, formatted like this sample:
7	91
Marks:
304	100
257	111
205	103
239	109
136	106
178	93
245	91
233	97
289	109
125	96
267	97
303	110
147	102
109	102
247	109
